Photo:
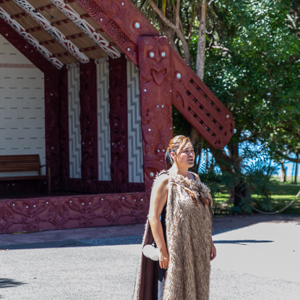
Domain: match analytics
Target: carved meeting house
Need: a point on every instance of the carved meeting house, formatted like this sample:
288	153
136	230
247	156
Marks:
89	86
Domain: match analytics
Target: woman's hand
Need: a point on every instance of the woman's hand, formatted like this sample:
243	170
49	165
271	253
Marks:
213	251
163	259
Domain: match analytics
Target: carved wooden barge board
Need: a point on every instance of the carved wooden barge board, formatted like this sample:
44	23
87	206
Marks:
199	105
124	23
86	28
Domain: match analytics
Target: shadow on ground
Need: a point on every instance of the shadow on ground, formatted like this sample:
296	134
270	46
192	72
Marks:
129	234
113	241
227	223
8	283
242	242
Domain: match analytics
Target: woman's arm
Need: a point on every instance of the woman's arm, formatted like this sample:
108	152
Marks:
158	200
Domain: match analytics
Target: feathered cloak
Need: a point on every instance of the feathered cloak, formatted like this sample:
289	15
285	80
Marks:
188	229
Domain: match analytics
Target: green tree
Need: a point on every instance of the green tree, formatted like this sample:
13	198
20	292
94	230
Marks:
252	65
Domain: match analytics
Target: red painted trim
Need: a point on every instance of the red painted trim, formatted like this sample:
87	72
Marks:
19	15
18	66
53	41
34	29
42	8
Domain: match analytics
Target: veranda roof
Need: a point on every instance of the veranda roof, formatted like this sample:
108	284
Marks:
61	30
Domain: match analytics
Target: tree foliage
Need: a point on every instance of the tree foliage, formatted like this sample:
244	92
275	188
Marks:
176	19
252	64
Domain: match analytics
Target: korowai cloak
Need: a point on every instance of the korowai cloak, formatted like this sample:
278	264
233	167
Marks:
188	230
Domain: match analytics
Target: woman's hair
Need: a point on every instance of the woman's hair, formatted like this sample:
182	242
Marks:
175	145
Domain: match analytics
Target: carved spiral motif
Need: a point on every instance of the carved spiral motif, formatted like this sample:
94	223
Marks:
118	36
91	7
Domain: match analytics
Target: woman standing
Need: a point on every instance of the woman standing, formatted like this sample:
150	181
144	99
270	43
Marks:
180	223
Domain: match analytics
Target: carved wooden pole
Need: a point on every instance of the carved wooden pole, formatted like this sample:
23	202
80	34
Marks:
88	123
156	105
118	123
64	127
52	126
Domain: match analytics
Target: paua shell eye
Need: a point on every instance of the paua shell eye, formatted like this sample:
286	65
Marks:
163	54
151	54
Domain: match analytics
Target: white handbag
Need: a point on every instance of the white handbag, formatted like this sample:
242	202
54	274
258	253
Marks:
151	252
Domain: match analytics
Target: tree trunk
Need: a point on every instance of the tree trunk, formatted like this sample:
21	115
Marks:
239	190
283	172
222	160
296	168
194	135
201	41
206	160
170	34
200	153
175	27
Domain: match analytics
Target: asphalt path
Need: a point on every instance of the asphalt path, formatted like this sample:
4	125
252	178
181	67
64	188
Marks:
258	257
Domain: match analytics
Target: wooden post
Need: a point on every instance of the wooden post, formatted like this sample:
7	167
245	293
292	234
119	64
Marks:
156	104
118	123
88	124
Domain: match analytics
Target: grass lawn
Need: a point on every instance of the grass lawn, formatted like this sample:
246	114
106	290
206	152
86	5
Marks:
282	194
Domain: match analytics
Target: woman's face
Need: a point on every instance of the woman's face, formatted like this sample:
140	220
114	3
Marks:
186	157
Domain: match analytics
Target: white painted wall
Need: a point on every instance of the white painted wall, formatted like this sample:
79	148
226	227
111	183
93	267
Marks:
22	105
74	123
104	147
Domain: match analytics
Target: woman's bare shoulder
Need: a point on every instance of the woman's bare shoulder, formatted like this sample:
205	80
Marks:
160	189
161	180
195	176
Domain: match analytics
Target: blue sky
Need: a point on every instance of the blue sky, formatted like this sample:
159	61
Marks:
254	150
291	169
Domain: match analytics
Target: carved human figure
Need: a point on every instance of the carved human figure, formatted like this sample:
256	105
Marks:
156	107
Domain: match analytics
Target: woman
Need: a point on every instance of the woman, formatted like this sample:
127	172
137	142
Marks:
180	222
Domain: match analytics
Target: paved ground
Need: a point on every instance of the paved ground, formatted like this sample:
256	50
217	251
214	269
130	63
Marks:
258	258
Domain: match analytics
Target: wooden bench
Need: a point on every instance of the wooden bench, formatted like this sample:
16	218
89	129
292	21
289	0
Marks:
23	167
